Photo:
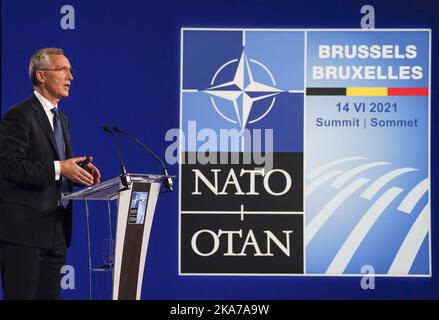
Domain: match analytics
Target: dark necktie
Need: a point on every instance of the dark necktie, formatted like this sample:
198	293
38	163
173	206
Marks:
59	138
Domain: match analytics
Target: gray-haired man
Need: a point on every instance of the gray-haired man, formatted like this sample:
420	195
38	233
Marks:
36	166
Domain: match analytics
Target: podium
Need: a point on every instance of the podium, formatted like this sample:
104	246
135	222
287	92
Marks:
135	212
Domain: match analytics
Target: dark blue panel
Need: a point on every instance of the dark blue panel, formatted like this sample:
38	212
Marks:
208	57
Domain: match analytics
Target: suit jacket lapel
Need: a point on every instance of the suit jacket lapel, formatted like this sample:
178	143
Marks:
44	123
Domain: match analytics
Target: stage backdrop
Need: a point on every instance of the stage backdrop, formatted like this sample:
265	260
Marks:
147	66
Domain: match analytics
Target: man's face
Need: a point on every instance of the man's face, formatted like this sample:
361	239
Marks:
57	82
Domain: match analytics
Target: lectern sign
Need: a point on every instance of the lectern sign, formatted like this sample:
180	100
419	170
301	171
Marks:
138	208
304	152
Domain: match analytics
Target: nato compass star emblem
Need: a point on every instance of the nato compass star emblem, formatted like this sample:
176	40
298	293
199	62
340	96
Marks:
243	91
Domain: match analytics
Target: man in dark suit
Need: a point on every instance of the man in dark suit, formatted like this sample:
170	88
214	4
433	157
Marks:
36	166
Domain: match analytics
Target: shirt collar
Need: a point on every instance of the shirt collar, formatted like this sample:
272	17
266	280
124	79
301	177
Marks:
47	105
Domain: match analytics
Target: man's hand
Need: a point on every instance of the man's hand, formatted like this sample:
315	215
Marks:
73	172
94	171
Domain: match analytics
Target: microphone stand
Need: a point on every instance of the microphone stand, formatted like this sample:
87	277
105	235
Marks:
168	179
124	178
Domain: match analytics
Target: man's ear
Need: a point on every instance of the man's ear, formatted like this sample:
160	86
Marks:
40	76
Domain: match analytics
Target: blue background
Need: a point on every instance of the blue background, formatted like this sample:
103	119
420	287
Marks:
127	56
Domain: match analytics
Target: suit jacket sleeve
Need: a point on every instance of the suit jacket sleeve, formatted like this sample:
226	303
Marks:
15	137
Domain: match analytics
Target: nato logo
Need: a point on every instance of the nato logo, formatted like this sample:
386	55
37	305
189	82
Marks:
245	80
250	82
243	91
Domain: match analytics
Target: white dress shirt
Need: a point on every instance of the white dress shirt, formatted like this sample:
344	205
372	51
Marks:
47	107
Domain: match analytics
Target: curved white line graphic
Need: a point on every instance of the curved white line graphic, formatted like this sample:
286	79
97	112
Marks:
326	212
328	165
376	186
414	195
219	70
409	249
310	188
266	69
265	113
220	113
353	242
353	172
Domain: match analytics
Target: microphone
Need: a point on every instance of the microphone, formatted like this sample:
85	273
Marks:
168	180
125	179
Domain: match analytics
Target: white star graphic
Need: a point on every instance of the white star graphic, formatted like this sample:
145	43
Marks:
245	87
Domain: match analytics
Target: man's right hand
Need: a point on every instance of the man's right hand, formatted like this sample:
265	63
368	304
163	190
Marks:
73	172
